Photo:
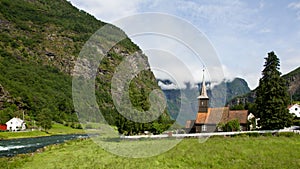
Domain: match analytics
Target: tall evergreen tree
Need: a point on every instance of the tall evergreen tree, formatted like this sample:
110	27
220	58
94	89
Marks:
272	97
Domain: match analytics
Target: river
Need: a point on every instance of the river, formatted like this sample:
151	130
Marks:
13	147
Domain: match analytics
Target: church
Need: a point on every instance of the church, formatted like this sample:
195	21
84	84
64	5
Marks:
207	118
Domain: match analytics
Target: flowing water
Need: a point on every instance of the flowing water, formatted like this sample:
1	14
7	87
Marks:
27	145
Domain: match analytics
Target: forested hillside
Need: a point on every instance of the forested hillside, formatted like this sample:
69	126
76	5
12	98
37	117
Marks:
39	43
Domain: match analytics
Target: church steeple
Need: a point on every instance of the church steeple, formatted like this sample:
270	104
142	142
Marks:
203	98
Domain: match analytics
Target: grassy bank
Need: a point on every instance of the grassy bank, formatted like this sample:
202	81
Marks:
56	129
230	152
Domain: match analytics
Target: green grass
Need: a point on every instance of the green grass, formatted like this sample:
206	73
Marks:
56	129
61	129
10	135
217	152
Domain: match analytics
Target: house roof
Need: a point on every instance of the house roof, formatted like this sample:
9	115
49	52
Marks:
18	120
240	115
292	105
213	115
221	114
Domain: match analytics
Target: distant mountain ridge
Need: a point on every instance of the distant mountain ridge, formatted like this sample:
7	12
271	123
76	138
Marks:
219	95
293	83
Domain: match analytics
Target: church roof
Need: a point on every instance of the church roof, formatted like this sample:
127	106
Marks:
240	115
221	115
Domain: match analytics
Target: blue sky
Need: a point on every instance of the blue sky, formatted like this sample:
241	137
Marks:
242	32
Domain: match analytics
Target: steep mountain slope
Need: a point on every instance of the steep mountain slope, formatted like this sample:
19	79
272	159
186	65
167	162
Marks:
39	44
293	80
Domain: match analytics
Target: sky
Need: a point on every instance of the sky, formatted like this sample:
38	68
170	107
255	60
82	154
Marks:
242	32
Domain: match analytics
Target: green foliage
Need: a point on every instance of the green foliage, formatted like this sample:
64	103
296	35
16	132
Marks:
44	119
232	125
296	122
272	97
237	107
253	134
286	134
61	13
38	87
9	110
267	134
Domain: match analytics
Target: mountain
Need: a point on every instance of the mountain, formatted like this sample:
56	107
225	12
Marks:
292	78
185	100
40	41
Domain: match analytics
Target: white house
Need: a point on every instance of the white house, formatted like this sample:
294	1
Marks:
15	124
253	121
295	109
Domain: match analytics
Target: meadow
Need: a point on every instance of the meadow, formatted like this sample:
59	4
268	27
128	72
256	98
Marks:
216	152
56	129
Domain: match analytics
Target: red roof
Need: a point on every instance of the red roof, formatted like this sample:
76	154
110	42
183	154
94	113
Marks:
240	115
221	114
3	127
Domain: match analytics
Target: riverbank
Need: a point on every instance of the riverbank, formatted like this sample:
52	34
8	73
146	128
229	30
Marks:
13	147
55	130
229	152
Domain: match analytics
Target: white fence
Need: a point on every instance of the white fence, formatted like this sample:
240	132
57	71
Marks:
206	134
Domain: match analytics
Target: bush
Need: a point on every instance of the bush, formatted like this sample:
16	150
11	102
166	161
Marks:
79	126
286	134
267	134
253	134
232	125
240	135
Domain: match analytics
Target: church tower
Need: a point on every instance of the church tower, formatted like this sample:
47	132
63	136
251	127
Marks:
203	98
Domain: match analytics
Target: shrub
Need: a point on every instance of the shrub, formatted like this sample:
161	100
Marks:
232	125
286	134
267	134
253	134
240	135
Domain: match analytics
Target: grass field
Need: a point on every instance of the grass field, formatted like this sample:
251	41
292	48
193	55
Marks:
230	152
56	129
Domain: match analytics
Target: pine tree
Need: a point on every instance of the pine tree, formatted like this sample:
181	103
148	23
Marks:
272	97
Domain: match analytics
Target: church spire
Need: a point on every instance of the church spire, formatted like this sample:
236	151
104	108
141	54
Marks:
203	89
203	98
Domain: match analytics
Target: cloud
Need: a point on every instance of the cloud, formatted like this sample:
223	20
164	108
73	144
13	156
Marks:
265	30
108	10
294	5
242	32
228	13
